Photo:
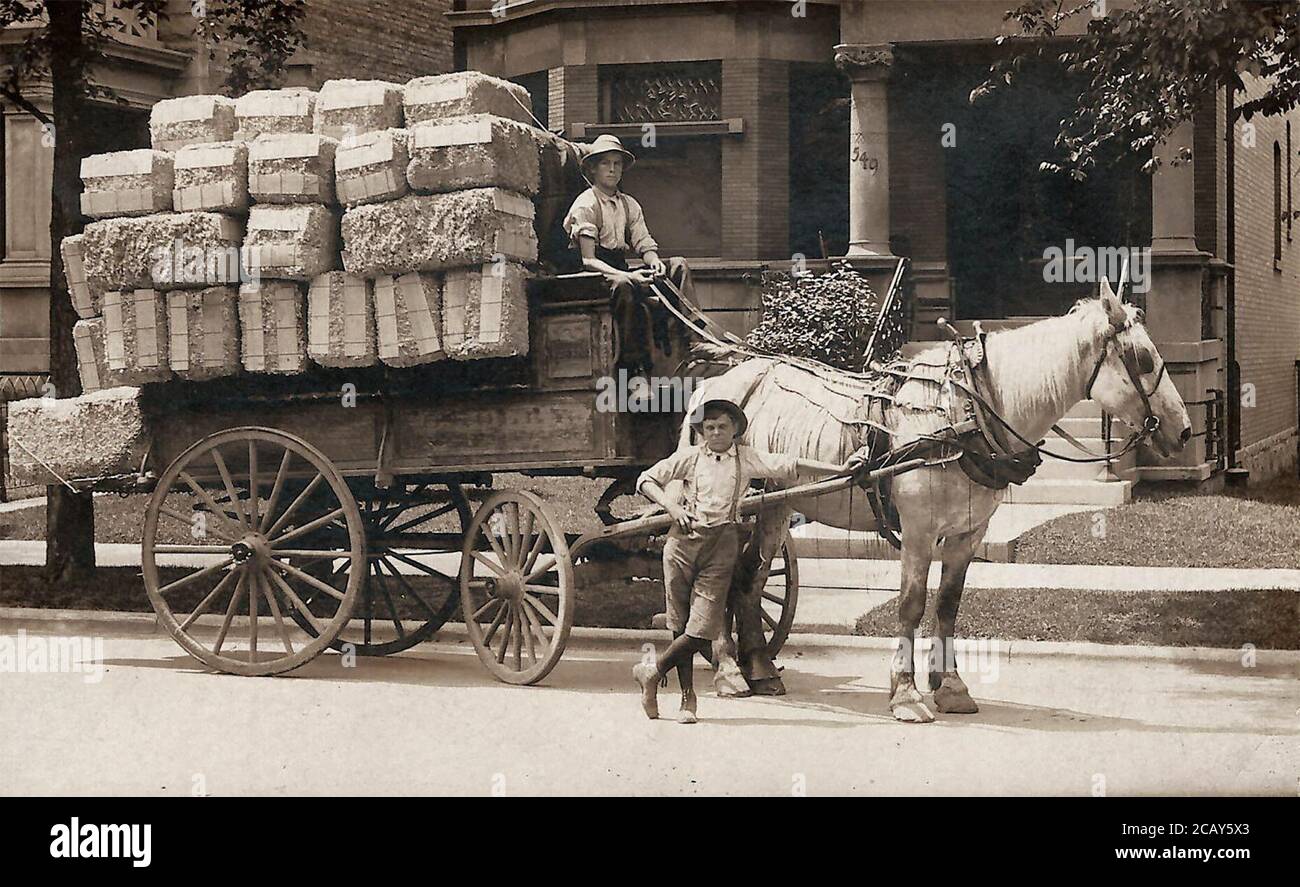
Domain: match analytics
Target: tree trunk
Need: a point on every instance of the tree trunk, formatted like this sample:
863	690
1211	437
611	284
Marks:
69	516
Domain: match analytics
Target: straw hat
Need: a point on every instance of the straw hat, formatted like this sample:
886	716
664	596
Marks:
607	144
730	408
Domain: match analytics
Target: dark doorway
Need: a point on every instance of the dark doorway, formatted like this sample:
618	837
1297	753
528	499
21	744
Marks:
1003	212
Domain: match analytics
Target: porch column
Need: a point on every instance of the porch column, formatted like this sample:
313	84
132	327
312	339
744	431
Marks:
1179	270
1173	196
868	66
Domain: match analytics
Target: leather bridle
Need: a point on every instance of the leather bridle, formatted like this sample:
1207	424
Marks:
1128	356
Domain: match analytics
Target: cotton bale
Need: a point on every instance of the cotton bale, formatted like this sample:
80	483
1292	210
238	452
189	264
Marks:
292	168
464	92
191	120
341	320
352	107
291	242
96	434
203	332
273	327
485	311
408	319
126	183
371	167
135	337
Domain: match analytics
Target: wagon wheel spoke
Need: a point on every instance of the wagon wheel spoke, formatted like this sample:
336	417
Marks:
204	604
276	489
424	568
277	541
230	487
533	552
308	578
189	524
483	559
207	499
252	483
297	602
252	618
545	566
496	545
767	595
505	641
192	549
230	613
768	619
410	589
275	612
186	580
542	610
530	610
519	631
513	542
496	621
388	600
293	506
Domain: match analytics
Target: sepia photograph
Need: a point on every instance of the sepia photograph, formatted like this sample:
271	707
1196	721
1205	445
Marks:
641	398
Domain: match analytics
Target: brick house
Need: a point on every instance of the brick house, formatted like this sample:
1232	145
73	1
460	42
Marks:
150	61
769	119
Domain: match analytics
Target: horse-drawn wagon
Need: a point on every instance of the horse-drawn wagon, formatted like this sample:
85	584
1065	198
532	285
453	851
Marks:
355	509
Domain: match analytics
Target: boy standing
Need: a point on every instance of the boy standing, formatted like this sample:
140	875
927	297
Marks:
702	546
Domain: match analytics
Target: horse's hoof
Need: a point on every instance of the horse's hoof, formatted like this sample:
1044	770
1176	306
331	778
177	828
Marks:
767	687
954	700
912	713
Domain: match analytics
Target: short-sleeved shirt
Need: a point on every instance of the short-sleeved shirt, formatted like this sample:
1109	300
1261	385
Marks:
616	223
710	477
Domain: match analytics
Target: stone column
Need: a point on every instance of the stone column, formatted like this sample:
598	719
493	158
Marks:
1173	304
868	66
1173	196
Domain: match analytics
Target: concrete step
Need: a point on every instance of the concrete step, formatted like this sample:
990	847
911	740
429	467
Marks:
1064	491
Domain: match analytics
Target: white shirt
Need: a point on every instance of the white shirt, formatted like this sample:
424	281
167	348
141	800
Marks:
710	478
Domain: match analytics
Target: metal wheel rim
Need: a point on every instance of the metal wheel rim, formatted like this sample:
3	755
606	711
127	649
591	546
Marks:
519	560
777	629
273	598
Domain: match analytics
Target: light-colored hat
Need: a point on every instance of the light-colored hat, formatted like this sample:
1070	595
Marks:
729	407
607	144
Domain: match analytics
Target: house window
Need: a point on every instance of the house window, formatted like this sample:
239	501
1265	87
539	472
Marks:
1277	203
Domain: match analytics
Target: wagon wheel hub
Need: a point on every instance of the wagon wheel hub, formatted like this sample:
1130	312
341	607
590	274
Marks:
251	548
508	587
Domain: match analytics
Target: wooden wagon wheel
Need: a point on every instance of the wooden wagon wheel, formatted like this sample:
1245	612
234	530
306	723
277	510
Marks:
778	604
230	490
516	587
395	541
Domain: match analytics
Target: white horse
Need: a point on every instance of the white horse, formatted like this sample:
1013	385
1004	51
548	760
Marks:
1036	374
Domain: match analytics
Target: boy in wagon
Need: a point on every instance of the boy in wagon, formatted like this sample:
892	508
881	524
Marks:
701	549
605	225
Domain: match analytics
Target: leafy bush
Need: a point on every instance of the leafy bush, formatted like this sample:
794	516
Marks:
828	317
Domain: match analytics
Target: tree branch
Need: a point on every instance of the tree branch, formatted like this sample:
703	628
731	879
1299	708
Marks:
18	99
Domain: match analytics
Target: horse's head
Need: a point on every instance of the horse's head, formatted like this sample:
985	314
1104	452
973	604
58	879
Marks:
1130	380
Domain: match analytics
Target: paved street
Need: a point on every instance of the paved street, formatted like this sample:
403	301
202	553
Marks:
433	721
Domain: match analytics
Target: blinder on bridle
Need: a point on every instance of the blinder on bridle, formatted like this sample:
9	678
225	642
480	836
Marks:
1137	363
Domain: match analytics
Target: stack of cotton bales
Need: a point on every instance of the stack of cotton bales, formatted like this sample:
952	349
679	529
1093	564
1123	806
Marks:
448	258
223	238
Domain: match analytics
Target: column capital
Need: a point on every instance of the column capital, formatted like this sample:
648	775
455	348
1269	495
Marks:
865	61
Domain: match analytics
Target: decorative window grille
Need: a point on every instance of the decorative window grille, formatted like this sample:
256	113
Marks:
684	92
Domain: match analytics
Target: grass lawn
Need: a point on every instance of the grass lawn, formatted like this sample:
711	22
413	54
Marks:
1267	619
1257	527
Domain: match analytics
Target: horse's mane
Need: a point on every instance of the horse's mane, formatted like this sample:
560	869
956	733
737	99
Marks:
1029	363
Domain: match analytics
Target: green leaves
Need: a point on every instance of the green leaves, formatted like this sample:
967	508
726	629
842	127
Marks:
1147	66
827	317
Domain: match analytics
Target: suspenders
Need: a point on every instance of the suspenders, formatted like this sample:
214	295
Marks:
735	493
627	217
